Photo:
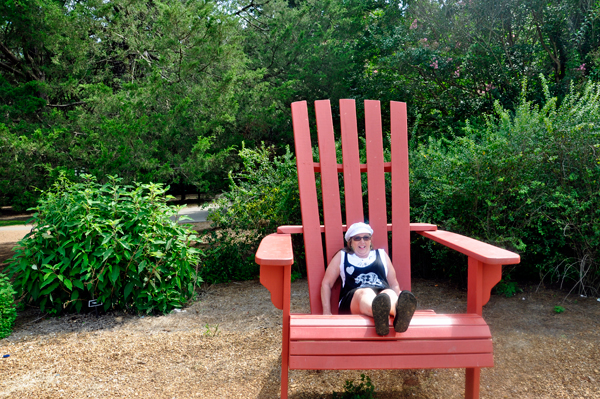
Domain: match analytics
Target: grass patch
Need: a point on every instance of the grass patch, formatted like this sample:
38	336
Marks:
12	222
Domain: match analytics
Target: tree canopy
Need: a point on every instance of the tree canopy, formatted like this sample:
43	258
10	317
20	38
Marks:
162	91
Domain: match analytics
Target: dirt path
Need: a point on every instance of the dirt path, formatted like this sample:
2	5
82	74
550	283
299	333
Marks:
227	345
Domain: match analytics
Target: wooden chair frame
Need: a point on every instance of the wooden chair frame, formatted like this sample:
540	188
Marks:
315	341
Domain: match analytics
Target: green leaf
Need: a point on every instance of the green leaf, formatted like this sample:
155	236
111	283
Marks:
78	284
128	289
49	289
68	284
141	266
48	278
114	274
107	254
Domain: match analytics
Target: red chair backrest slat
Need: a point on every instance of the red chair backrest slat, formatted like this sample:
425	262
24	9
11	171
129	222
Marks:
351	164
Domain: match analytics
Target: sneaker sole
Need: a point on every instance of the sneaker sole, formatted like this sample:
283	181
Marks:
405	309
381	314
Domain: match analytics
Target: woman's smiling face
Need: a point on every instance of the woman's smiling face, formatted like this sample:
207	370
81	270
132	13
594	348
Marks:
361	245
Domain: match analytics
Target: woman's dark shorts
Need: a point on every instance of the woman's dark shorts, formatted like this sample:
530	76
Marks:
347	299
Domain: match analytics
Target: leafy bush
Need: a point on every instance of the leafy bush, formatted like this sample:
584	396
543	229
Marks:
112	243
261	197
8	314
528	182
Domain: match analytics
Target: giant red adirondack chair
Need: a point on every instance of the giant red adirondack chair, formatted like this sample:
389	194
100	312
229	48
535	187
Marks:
315	341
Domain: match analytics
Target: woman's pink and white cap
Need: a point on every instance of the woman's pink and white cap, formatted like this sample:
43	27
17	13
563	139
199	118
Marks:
358	228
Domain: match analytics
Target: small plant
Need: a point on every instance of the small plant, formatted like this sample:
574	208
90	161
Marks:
8	314
110	243
211	331
507	288
296	275
363	390
559	309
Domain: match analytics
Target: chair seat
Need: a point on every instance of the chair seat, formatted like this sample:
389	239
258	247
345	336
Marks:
350	342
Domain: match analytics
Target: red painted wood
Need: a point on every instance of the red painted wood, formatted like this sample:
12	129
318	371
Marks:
472	383
413	227
332	211
308	204
421	318
274	255
481	251
492	274
416	332
271	278
339	342
285	332
400	195
474	286
391	362
275	250
375	174
404	347
351	165
422	227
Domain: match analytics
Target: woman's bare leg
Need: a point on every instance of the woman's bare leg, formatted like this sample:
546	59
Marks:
362	301
393	300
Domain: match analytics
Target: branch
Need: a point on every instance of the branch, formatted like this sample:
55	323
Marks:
13	70
39	73
66	105
250	6
550	53
9	54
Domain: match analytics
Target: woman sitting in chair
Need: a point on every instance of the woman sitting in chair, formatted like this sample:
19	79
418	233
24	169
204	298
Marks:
369	284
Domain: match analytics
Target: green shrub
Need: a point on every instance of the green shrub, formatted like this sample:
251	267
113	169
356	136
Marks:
112	243
260	198
8	314
527	182
363	390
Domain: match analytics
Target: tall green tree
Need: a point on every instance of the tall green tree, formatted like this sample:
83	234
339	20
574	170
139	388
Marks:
145	90
450	60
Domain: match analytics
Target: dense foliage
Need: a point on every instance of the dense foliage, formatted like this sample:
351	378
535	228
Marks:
181	92
528	182
261	197
164	91
8	313
111	243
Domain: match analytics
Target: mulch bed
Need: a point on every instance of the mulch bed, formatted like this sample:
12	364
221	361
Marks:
227	345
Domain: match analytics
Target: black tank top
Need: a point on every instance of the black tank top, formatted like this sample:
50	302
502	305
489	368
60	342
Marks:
372	276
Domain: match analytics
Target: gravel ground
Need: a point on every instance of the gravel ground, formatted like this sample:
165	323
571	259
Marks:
227	345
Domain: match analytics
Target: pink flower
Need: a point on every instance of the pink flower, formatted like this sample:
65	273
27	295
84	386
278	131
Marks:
434	64
414	24
457	73
581	68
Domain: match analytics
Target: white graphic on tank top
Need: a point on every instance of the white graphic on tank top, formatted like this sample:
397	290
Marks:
350	269
370	279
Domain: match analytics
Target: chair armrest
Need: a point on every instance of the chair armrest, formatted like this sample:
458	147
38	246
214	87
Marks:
275	250
485	265
481	251
275	257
